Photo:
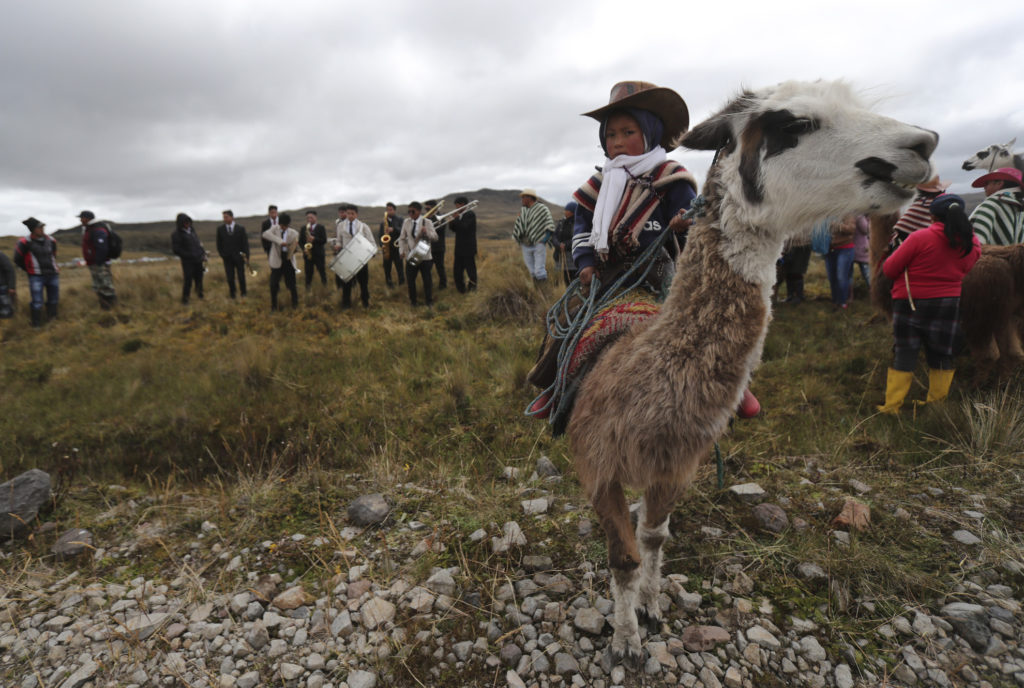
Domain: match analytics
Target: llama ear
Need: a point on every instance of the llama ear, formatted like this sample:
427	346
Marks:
711	134
1010	143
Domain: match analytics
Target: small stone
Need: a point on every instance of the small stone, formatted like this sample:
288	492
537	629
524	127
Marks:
704	638
290	672
72	543
757	634
536	562
854	514
511	677
377	612
810	572
844	678
859	487
811	649
546	468
733	678
585	527
250	679
532	507
368	510
748	492
589	620
292	598
771	517
258	636
965	537
510	654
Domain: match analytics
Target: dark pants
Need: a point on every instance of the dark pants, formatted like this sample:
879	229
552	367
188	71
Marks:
288	272
318	263
467	265
363	277
934	325
442	276
396	260
231	267
423	269
192	271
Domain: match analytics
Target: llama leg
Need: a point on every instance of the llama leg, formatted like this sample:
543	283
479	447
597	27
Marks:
623	560
651	533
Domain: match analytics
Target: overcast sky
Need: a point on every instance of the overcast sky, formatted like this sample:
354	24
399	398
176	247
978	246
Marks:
138	109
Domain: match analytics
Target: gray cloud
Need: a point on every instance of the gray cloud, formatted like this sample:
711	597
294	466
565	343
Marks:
140	109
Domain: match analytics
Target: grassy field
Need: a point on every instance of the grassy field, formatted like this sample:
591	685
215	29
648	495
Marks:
271	423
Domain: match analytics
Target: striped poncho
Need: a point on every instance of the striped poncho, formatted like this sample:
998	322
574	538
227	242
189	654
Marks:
916	217
533	224
1000	218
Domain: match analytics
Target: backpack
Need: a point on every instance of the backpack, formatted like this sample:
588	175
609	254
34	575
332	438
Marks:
114	244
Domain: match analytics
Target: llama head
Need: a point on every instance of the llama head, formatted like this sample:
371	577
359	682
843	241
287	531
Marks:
992	158
792	154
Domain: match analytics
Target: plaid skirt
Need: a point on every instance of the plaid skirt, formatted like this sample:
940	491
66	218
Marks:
935	325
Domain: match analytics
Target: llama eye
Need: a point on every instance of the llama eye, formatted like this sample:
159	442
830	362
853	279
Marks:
800	126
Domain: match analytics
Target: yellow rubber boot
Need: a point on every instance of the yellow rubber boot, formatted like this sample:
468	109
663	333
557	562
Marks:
897	386
938	384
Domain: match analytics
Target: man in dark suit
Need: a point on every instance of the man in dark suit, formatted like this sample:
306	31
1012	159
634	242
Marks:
271	221
391	226
437	248
233	248
464	228
316	234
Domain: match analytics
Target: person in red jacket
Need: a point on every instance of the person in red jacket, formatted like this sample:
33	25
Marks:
926	271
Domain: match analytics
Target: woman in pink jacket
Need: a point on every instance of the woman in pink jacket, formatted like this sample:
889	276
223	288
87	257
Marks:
926	271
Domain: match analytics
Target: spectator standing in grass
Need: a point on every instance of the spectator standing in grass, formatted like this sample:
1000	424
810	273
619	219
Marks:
95	251
36	254
839	260
860	250
792	266
926	272
531	231
562	243
7	284
186	245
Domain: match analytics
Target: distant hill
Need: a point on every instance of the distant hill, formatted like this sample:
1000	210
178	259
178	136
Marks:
496	212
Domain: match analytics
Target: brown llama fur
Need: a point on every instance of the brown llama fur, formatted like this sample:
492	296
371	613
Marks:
991	300
657	399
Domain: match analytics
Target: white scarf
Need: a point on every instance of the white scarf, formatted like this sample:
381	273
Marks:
613	184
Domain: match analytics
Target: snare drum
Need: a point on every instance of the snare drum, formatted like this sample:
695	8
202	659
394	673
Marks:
419	252
353	257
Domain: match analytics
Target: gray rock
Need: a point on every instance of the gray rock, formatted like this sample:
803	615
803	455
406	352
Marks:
510	654
704	638
966	537
368	510
532	507
20	501
970	622
844	678
377	612
757	634
463	650
84	673
771	517
810	572
748	492
566	664
546	468
537	562
290	672
72	543
258	636
811	649
442	583
250	679
144	625
589	620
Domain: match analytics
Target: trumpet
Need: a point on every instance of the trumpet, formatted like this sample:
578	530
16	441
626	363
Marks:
252	271
444	219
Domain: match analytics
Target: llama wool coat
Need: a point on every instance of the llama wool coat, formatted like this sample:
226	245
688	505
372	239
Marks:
934	269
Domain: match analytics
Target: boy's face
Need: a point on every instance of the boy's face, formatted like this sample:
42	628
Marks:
351	214
311	218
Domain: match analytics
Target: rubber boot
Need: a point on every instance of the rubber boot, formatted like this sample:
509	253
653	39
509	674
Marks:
897	386
51	311
938	384
37	317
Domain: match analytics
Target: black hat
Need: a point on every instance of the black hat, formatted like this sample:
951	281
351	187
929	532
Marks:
86	215
32	223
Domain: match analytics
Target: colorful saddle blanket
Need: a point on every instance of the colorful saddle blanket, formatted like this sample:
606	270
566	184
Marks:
610	322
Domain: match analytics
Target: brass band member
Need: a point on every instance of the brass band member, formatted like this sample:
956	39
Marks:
463	226
391	226
347	231
283	242
437	248
316	234
414	229
233	249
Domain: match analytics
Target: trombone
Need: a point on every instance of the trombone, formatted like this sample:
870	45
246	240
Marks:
433	210
252	270
444	219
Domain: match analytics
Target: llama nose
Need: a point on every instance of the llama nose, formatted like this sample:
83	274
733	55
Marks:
923	142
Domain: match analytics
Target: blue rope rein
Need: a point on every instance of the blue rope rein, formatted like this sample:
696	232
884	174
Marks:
568	327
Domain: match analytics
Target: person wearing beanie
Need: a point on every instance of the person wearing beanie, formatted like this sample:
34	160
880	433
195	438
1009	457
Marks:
463	227
36	254
999	219
96	252
926	271
562	243
186	245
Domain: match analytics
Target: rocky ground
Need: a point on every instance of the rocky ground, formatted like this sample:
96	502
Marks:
233	614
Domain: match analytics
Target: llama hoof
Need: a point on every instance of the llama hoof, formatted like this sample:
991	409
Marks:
650	619
628	652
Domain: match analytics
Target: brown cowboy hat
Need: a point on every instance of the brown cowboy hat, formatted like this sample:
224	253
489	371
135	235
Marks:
933	185
668	105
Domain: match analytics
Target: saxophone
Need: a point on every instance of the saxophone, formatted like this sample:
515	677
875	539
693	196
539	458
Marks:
385	238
